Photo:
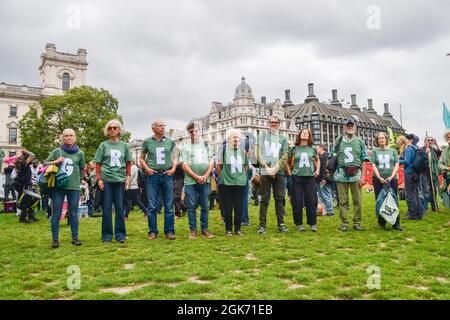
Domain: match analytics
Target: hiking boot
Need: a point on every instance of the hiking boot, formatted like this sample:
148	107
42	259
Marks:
76	242
262	230
245	224
330	214
239	233
343	228
193	234
358	228
207	234
282	228
301	228
314	228
397	228
152	236
228	234
121	240
55	244
170	236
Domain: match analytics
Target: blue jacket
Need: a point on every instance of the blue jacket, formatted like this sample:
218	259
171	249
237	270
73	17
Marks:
408	160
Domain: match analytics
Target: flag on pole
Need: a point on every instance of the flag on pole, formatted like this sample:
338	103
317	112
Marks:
446	115
391	142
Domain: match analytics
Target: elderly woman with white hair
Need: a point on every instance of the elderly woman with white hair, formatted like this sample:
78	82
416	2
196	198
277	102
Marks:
113	171
70	160
232	169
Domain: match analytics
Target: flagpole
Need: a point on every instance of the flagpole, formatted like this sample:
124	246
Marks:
401	118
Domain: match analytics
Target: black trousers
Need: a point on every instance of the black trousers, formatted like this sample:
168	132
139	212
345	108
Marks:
212	199
232	198
304	194
177	191
378	186
412	195
133	199
9	189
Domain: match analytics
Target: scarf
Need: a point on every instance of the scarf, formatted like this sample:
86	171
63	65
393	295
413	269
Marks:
70	149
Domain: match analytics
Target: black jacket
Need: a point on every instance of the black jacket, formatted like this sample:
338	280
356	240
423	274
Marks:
323	167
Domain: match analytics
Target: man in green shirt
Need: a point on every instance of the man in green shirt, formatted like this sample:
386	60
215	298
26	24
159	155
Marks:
197	164
272	154
350	174
159	161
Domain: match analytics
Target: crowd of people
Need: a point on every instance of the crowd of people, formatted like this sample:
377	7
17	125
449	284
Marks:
172	180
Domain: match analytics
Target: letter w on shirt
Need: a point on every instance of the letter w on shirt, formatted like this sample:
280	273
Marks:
272	148
236	164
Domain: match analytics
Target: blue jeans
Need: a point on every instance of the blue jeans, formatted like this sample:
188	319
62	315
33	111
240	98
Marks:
325	196
113	193
245	218
73	198
192	193
160	184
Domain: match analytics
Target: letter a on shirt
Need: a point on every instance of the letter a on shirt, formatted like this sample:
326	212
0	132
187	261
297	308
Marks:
115	158
160	155
304	160
236	164
384	161
272	148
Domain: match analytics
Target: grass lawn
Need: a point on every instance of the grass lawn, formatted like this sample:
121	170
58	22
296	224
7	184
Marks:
414	264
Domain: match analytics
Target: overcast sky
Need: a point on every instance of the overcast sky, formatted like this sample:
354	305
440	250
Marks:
170	59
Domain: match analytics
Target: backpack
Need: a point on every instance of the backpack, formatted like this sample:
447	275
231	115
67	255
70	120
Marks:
420	164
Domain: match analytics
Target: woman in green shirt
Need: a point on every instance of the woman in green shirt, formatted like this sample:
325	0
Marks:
113	171
70	160
304	167
232	169
385	164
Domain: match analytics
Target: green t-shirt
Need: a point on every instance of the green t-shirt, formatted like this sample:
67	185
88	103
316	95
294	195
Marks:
159	153
113	157
198	157
304	157
384	160
352	153
271	148
233	170
72	166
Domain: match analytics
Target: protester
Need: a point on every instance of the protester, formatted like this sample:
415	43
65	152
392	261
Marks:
197	164
113	170
23	182
304	167
385	168
132	193
429	181
444	166
159	161
407	156
272	152
232	169
70	159
324	185
9	186
350	174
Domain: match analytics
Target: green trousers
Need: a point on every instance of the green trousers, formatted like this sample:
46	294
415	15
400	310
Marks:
342	188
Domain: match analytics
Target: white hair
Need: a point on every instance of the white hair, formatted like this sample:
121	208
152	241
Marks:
67	131
116	122
232	132
154	123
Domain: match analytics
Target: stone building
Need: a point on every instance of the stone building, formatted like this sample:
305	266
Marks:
59	72
326	119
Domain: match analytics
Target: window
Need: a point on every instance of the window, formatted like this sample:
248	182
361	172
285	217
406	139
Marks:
12	135
65	82
13	111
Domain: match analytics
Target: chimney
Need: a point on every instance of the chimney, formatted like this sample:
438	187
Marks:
287	98
263	100
370	108
335	100
386	111
311	97
354	106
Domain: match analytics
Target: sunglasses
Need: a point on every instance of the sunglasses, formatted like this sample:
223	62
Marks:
113	128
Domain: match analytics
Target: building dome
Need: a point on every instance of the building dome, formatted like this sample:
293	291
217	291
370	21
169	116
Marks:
243	91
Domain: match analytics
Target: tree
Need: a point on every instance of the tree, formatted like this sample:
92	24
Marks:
84	109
